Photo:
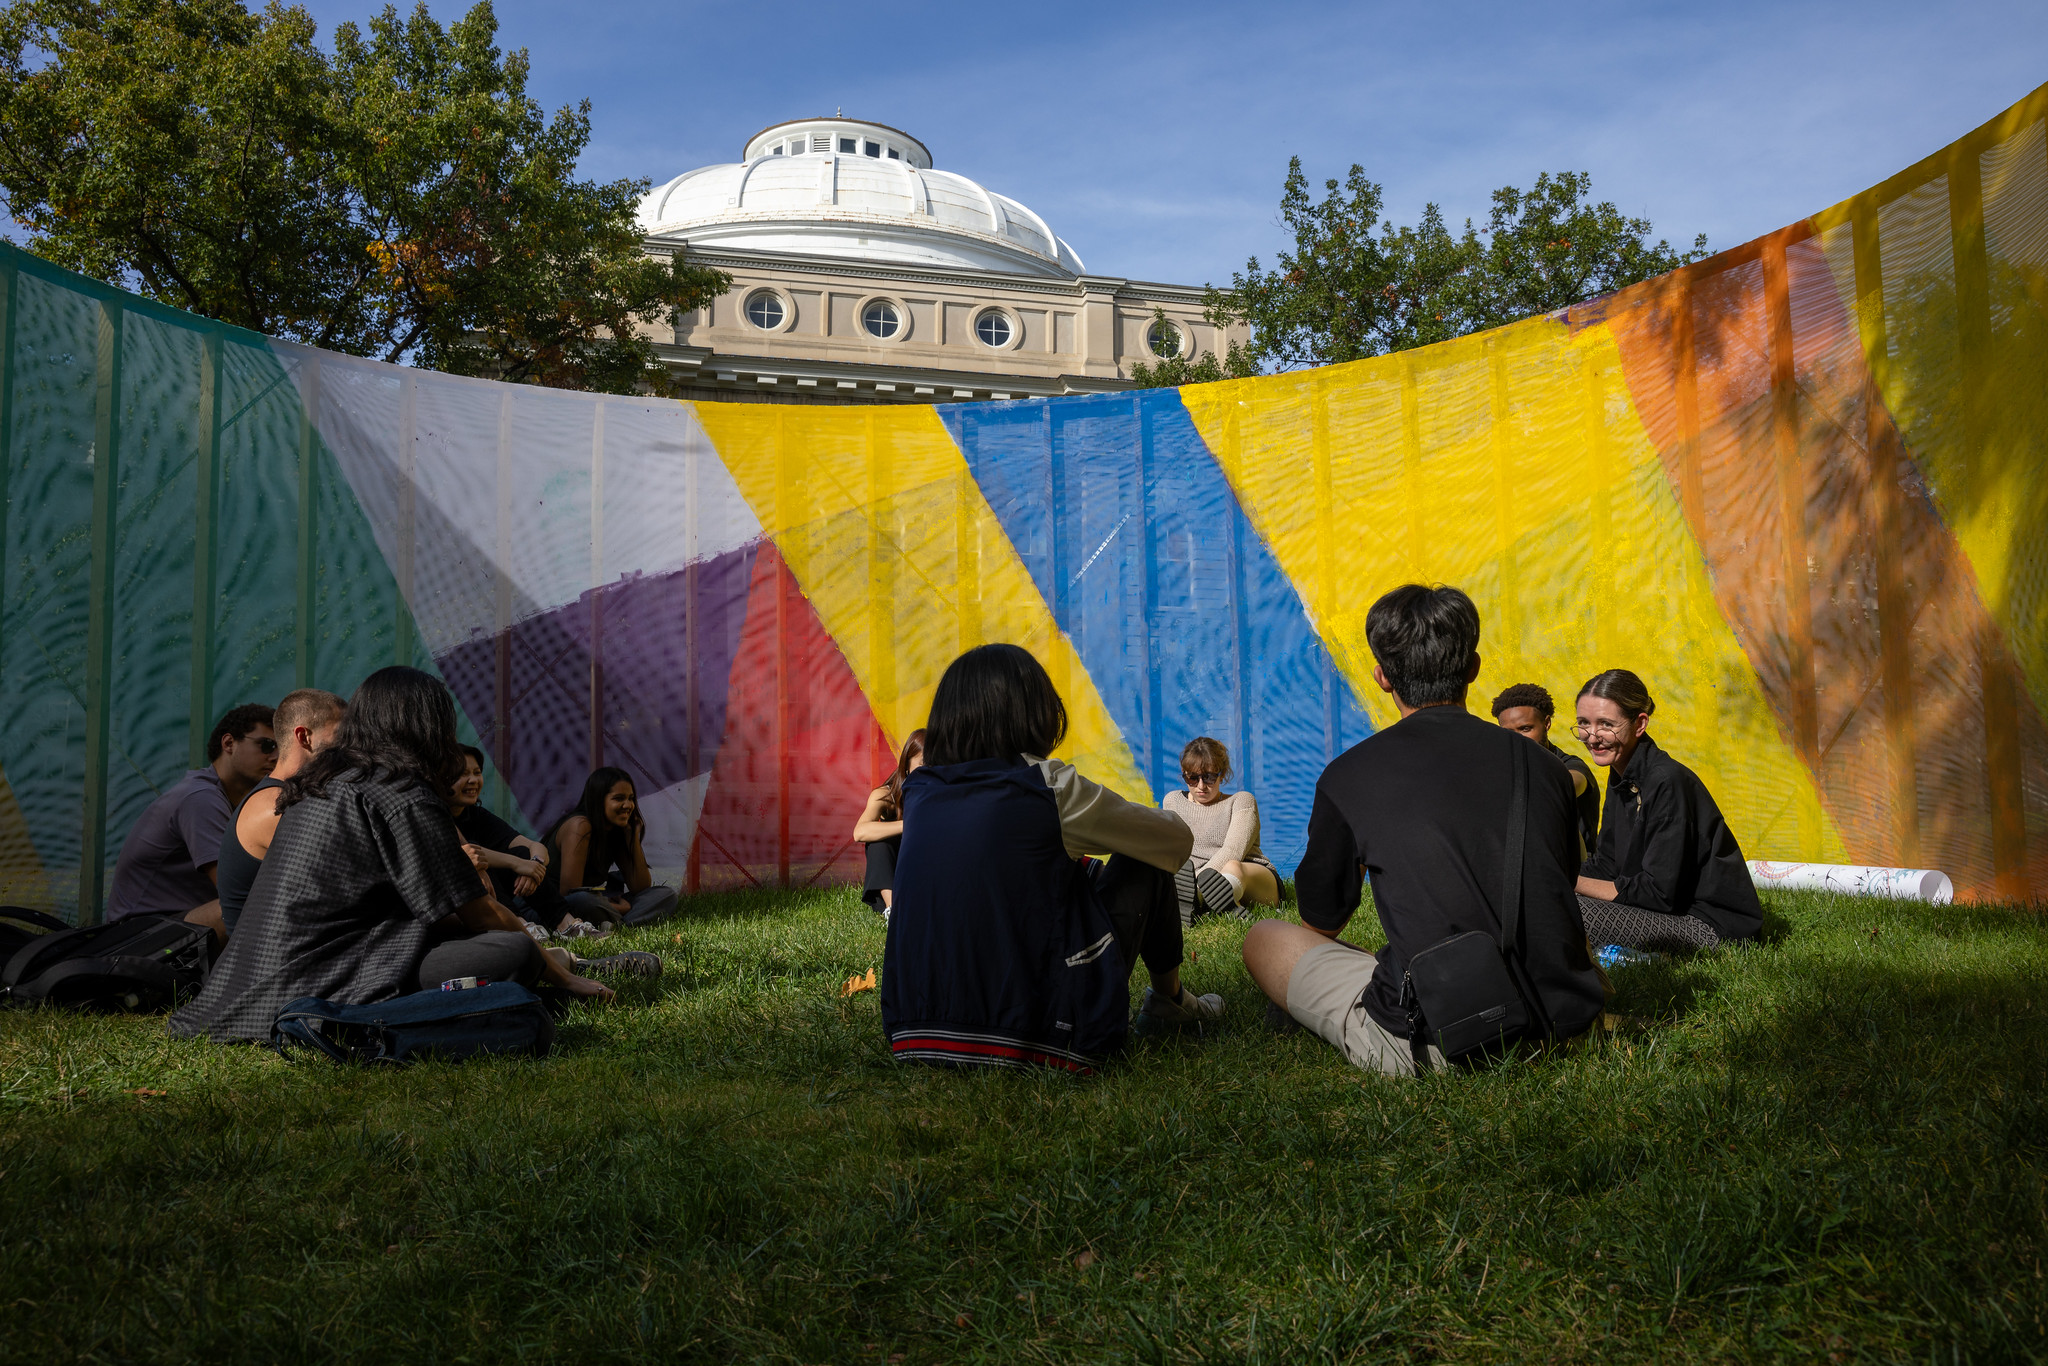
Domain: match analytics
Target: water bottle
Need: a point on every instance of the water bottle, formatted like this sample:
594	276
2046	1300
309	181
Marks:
1612	956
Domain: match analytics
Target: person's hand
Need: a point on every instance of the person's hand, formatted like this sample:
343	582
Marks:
526	884
476	859
584	987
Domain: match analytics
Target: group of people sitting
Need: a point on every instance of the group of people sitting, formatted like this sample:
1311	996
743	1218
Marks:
341	850
1020	894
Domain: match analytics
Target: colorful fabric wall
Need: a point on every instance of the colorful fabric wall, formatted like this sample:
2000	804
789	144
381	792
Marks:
1802	488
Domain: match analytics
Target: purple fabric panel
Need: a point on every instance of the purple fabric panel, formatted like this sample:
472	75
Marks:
664	705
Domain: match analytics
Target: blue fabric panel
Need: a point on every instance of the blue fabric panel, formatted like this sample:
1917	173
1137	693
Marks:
1180	613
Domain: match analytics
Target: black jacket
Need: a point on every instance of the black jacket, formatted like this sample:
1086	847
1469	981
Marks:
1423	805
1665	846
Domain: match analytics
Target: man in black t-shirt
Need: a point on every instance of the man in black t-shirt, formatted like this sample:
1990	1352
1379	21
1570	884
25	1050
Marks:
1423	806
1526	709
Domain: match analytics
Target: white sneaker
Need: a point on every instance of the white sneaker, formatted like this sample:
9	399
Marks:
1190	1009
539	933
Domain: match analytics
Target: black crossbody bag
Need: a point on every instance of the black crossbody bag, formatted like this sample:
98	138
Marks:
1464	992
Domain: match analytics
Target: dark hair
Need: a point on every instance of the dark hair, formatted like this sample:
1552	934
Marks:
596	788
400	725
1423	639
913	747
1525	695
1203	749
1623	689
994	702
473	752
237	723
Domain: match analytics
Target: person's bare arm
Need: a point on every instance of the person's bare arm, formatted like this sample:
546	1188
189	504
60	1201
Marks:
484	913
574	836
1600	889
256	823
638	876
871	828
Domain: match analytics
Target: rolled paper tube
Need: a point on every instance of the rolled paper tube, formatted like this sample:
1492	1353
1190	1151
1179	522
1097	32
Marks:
1904	884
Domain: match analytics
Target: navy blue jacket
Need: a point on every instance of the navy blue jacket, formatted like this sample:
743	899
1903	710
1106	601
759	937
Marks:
999	952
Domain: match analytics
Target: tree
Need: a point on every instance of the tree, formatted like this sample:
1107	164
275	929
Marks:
1170	372
403	198
1346	291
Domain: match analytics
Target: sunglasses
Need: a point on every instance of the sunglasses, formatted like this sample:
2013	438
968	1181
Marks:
1196	779
267	746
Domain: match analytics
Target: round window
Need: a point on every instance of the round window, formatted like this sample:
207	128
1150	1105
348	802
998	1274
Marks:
881	319
765	311
1164	339
993	328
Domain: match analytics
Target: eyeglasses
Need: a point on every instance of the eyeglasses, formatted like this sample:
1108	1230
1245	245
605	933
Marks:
267	746
1198	779
1606	730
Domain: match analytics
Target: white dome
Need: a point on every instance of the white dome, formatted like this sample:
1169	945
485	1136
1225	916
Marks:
848	188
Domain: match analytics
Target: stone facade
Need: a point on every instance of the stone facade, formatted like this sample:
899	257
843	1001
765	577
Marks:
867	276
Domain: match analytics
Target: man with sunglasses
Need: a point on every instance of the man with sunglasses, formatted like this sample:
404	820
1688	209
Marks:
167	863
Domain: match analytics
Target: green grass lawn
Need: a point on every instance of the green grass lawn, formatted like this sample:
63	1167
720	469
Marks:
1831	1147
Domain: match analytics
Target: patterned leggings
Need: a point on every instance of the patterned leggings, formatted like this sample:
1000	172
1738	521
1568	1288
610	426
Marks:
1632	927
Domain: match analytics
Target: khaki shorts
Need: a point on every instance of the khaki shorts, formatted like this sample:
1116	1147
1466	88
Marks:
1324	994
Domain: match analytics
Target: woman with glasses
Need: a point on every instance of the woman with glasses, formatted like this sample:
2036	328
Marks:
1669	876
1227	869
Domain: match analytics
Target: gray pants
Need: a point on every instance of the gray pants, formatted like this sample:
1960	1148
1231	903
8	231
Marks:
1632	927
644	907
500	955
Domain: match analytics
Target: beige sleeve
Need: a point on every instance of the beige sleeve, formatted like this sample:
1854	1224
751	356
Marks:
1095	821
1242	833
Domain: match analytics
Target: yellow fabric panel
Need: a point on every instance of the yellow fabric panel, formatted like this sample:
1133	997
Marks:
23	881
1513	465
877	516
1957	340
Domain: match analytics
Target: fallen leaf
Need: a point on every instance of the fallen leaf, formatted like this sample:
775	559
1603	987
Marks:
145	1091
1085	1260
960	1320
858	983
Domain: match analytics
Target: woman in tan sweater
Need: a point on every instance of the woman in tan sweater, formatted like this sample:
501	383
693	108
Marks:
1227	868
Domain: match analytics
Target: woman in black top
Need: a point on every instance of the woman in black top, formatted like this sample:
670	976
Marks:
513	863
880	827
365	893
1669	875
597	867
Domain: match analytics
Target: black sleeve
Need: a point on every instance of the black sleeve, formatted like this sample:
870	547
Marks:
480	826
1328	882
1601	862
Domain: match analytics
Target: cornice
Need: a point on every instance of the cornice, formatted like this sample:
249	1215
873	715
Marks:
940	385
1076	290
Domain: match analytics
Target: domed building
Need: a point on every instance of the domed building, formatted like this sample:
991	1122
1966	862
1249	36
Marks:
864	274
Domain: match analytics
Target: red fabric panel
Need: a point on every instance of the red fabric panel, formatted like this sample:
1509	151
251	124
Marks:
796	720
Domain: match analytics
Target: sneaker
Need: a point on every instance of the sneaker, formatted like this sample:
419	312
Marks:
1215	893
632	963
1185	893
1190	1009
539	933
572	928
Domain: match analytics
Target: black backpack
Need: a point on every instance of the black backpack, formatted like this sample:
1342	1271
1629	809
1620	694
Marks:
20	926
145	962
498	1017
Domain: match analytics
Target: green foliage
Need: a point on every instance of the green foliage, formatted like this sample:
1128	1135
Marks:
1170	372
1829	1146
403	198
1355	286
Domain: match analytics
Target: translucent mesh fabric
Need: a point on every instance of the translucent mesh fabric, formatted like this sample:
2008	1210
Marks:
1798	487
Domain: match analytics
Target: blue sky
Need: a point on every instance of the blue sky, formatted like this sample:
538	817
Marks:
1154	137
